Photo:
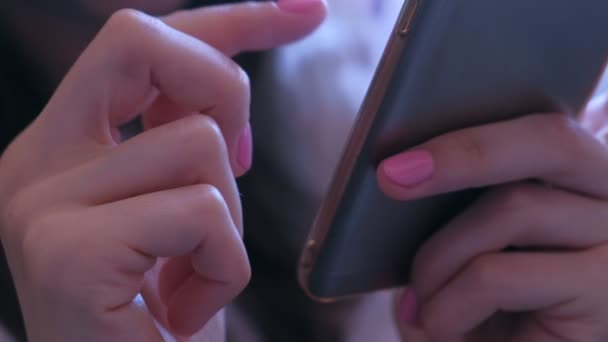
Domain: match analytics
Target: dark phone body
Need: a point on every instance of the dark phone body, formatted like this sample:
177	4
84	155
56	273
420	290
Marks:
448	65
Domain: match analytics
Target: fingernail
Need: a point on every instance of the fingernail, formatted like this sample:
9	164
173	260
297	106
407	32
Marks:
244	153
408	307
409	168
298	6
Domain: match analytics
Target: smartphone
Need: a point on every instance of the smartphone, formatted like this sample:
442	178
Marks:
448	65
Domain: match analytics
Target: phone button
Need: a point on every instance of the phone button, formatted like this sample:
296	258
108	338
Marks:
407	18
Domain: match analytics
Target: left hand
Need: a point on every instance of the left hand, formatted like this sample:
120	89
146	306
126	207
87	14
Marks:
88	221
550	199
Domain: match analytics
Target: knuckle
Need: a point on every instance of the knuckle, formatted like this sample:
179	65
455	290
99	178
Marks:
481	272
240	86
125	21
211	202
565	134
203	133
202	202
206	201
238	79
469	145
132	36
207	198
519	205
514	199
242	81
132	30
557	126
200	145
473	148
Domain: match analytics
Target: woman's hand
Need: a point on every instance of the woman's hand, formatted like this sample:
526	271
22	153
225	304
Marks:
549	202
89	222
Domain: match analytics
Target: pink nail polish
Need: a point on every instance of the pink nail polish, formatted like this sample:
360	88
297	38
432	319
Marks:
298	6
409	168
245	148
408	307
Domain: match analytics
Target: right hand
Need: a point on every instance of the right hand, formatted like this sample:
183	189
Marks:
88	222
526	261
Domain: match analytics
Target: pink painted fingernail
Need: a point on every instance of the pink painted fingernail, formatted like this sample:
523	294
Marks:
408	307
244	153
409	168
299	6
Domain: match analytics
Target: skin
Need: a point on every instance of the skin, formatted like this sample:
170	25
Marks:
85	229
549	198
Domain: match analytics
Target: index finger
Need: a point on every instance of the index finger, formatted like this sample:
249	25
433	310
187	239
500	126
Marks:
250	26
551	148
136	56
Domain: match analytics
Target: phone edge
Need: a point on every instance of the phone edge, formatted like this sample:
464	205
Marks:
397	41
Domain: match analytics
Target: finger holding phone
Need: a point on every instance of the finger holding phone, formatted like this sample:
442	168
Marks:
525	262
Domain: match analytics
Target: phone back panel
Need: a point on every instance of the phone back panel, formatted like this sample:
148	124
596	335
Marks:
461	63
